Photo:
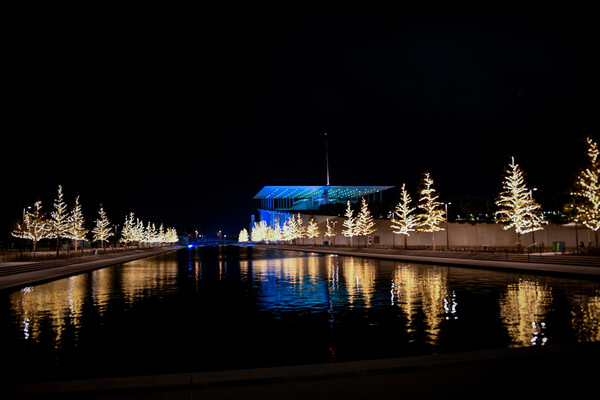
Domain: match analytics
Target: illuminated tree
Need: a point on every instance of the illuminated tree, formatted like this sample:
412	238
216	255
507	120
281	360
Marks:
128	232
76	224
586	192
364	221
171	235
243	236
161	234
259	231
329	232
102	231
349	223
288	231
276	233
34	226
149	235
300	229
59	219
406	221
517	209
138	231
312	230
433	215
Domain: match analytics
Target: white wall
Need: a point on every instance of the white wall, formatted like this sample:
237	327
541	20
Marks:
459	235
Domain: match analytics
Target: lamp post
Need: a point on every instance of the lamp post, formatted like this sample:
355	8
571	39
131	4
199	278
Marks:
447	228
22	229
532	230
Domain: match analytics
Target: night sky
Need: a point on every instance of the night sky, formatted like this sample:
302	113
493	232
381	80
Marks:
182	117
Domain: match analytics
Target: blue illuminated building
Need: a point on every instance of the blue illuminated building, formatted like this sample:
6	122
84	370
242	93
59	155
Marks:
278	203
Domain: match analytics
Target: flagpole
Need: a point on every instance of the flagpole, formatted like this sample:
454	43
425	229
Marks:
327	158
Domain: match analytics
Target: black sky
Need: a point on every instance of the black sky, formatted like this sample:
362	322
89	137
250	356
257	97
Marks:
182	116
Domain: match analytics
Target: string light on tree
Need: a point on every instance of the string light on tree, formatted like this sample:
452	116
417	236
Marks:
433	214
76	224
243	236
128	231
34	226
59	219
517	209
364	220
312	230
349	223
403	220
300	230
329	232
586	193
102	231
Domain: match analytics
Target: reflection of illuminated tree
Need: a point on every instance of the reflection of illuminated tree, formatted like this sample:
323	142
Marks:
523	309
359	275
60	305
586	319
60	302
416	289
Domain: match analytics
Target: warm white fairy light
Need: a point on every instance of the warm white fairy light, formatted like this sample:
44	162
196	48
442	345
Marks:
288	229
59	219
517	209
34	226
364	220
76	224
312	230
433	215
349	223
102	231
403	220
299	229
329	232
243	236
587	189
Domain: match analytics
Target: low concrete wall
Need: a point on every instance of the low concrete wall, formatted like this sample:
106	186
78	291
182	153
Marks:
457	235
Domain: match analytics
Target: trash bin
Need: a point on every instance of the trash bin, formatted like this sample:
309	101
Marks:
558	246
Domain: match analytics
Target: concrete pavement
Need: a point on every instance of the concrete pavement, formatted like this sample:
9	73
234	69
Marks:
539	372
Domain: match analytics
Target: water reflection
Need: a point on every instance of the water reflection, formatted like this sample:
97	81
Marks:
422	294
389	305
49	311
425	297
585	318
50	308
523	309
424	291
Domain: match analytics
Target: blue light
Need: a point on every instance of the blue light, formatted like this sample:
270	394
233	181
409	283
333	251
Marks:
190	246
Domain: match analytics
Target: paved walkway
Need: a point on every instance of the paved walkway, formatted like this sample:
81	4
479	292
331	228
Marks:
18	274
558	371
549	263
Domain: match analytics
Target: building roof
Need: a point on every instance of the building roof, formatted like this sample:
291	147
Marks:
307	192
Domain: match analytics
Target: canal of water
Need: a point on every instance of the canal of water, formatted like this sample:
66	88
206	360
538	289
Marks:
229	307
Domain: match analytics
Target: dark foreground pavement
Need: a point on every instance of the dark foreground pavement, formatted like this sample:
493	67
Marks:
559	371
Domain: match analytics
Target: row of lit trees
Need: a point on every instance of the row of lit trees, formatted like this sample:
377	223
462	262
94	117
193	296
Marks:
134	231
65	224
293	228
516	209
